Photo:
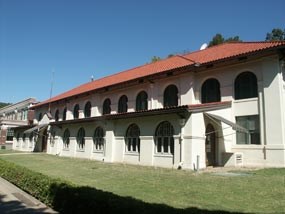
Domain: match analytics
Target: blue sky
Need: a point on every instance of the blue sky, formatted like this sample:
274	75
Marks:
75	39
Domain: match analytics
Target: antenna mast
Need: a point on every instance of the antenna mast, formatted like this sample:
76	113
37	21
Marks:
51	87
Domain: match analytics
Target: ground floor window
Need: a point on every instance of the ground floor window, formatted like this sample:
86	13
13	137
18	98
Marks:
98	139
164	140
132	139
66	136
251	123
81	139
10	134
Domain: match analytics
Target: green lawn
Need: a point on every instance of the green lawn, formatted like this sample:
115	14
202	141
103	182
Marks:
261	191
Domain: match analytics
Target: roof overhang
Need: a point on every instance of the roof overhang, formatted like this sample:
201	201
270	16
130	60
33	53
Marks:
36	128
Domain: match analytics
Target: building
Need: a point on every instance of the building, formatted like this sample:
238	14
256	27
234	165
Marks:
220	106
11	116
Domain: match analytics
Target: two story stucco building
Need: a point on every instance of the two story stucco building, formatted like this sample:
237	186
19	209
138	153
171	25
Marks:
221	106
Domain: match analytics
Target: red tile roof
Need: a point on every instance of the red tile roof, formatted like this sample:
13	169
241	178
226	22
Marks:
208	55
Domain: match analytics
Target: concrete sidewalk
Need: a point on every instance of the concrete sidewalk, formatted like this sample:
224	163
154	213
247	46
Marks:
15	200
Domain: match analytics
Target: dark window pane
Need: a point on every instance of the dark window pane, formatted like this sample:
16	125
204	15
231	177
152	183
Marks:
245	86
170	96
211	91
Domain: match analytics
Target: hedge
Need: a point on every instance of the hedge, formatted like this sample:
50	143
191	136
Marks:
66	197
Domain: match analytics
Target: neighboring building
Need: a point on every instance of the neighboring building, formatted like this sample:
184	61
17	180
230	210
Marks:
221	106
11	116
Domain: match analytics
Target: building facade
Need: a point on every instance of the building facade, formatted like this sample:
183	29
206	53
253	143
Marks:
221	106
12	116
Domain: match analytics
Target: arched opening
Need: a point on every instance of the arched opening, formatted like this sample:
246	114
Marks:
210	146
211	91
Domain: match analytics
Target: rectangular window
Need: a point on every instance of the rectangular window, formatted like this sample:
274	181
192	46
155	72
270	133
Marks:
251	123
10	134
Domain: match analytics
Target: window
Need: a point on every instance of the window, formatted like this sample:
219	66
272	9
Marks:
164	140
40	116
56	116
81	139
76	111
10	134
66	136
107	106
251	123
123	104
170	96
18	140
245	86
133	139
98	139
31	136
211	91
141	101
64	114
87	110
24	137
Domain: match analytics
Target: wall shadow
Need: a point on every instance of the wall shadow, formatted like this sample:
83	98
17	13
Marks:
68	199
16	207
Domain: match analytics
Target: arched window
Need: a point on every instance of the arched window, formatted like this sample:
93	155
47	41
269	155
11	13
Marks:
170	96
24	137
81	139
56	116
66	136
107	106
76	111
133	139
87	109
141	101
40	116
164	140
245	86
211	91
64	114
31	137
123	104
98	139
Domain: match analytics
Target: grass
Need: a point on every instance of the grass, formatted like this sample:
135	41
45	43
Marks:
260	191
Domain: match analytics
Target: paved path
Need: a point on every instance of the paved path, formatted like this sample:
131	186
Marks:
14	200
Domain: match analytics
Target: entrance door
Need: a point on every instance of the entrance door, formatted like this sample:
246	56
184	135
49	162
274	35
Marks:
210	145
44	141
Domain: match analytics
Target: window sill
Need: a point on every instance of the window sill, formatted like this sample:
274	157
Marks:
98	151
246	100
163	155
247	146
80	150
132	153
65	149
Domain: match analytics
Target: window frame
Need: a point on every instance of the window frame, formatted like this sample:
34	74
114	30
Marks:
164	139
245	86
123	104
107	106
142	101
99	140
87	109
80	139
76	111
170	96
247	122
211	91
132	139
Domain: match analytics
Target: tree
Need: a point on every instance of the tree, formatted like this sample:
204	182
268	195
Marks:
2	105
276	34
155	58
219	39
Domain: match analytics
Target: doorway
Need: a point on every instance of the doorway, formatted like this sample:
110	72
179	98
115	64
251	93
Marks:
210	146
44	141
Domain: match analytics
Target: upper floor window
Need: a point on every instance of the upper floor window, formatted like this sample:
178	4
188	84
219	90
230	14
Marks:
76	111
87	109
164	140
141	101
245	86
66	136
98	139
170	96
107	106
56	116
251	123
133	138
123	104
211	91
81	138
64	114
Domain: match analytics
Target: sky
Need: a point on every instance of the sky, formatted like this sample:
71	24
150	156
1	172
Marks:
60	44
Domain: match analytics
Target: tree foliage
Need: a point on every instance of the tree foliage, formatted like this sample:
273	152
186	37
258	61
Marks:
2	105
277	34
155	58
219	39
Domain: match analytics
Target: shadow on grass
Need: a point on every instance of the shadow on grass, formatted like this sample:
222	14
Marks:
68	199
